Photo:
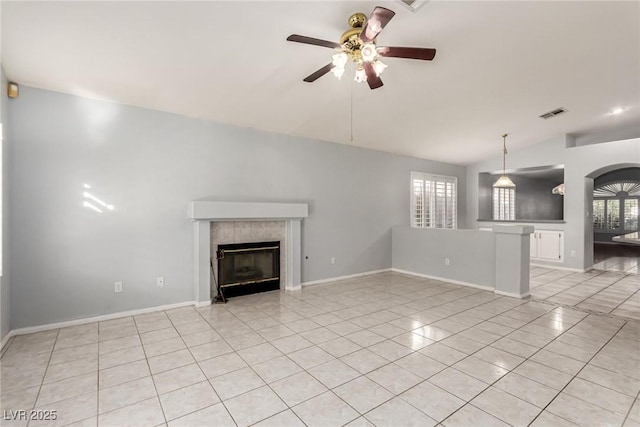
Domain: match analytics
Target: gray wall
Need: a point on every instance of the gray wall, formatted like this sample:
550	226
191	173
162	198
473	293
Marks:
626	174
582	164
148	164
471	253
624	131
534	200
5	284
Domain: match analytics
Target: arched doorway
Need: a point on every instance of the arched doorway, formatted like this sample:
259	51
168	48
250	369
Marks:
615	204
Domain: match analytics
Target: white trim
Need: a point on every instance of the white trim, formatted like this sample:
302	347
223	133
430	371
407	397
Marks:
203	212
444	279
102	318
350	276
245	211
6	339
553	267
512	294
202	303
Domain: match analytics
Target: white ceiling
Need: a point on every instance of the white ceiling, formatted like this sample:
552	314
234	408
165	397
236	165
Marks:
499	66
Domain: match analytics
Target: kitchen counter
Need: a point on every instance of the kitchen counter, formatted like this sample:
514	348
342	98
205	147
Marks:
633	238
525	221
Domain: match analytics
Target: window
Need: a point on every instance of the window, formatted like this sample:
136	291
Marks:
631	214
598	213
504	204
616	207
613	215
433	200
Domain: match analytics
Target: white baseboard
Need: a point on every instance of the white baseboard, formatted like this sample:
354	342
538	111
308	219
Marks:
444	279
5	340
553	267
350	276
511	294
102	318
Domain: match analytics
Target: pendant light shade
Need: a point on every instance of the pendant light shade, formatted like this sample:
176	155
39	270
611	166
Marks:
504	181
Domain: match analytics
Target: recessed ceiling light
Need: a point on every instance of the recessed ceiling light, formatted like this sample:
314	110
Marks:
618	110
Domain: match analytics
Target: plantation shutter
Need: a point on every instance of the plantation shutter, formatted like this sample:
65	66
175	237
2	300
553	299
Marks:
434	201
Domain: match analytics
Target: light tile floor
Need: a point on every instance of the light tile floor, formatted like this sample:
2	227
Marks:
595	291
623	264
383	350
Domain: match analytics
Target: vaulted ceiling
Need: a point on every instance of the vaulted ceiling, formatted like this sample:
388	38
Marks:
499	65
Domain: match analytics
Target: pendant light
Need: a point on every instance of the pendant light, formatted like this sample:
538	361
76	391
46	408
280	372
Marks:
504	181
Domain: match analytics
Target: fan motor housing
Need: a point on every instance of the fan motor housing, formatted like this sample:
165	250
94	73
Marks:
350	39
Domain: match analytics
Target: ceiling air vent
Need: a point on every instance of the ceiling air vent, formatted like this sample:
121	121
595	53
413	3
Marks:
553	113
413	4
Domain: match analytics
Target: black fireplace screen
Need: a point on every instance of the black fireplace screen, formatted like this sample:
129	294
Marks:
249	267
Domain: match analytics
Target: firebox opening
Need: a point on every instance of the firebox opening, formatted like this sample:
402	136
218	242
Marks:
247	268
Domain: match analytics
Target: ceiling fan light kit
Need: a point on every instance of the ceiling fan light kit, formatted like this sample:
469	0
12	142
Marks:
358	46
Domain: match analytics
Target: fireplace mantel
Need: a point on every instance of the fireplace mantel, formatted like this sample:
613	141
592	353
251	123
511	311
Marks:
204	212
246	211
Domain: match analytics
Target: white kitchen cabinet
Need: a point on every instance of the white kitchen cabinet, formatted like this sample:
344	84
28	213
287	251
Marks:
547	245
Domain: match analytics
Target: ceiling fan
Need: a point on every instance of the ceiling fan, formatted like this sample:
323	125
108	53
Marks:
358	44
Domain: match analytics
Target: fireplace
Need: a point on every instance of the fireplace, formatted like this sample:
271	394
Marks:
206	213
246	268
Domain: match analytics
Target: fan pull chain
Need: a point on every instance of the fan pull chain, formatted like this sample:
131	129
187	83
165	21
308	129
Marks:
351	113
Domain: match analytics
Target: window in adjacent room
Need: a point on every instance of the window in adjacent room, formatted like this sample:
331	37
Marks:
631	214
615	207
433	200
504	204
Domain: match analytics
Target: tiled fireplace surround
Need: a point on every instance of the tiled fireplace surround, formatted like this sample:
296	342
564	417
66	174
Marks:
226	232
245	222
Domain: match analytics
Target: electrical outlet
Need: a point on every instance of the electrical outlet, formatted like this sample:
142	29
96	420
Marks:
446	261
573	254
333	260
118	287
160	281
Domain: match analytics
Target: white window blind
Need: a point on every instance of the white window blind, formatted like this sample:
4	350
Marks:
504	204
616	207
433	200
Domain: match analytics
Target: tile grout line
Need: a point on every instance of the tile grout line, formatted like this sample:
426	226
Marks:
444	318
626	299
635	400
250	367
604	289
146	359
509	370
577	373
526	359
365	302
45	374
572	286
582	284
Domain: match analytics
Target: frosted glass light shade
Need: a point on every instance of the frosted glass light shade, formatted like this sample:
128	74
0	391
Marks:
338	72
368	52
558	190
378	67
340	59
504	182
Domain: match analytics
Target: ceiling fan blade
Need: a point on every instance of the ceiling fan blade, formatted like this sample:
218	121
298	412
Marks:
310	40
321	72
424	53
373	79
379	19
